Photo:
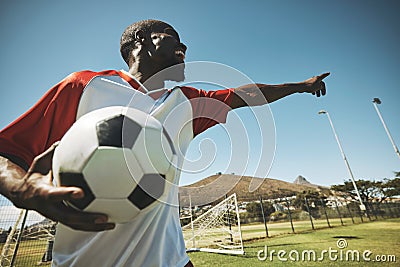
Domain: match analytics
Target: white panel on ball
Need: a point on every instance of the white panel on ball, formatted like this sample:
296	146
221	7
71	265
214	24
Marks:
118	210
142	118
108	175
75	155
153	156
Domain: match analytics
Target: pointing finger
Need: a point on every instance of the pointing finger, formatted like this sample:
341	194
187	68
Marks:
323	76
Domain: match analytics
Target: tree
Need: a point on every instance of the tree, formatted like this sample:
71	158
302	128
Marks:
313	199
254	209
367	189
371	190
391	187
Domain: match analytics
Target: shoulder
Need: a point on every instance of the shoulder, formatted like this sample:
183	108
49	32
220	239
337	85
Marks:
77	81
84	77
224	95
191	92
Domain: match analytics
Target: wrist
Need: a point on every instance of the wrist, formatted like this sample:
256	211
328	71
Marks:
300	87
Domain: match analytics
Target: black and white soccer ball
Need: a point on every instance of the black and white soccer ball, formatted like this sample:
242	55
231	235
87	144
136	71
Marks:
121	157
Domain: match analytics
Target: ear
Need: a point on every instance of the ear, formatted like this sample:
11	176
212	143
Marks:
140	37
140	47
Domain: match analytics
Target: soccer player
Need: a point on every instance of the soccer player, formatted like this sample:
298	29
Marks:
27	145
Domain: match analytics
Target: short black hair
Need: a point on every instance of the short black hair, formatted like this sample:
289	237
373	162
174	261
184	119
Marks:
127	42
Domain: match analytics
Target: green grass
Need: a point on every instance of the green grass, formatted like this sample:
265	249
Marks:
253	231
380	237
30	253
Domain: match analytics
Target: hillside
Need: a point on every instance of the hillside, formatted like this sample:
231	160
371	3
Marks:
213	189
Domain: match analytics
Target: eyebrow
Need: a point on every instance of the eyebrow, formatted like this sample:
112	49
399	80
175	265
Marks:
173	31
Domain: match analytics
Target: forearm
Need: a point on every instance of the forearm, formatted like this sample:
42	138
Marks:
260	94
11	177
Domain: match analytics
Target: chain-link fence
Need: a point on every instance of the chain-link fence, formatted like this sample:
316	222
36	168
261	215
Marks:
299	214
26	238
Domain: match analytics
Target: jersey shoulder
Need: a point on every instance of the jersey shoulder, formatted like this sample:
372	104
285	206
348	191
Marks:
190	92
84	76
77	81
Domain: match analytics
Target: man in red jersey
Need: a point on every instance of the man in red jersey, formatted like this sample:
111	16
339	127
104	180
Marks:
26	145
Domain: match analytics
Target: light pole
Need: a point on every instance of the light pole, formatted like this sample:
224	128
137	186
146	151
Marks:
376	102
362	206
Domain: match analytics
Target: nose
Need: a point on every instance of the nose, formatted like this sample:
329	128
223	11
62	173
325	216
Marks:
183	46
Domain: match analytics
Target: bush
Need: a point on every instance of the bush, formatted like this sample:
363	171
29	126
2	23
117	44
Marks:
278	215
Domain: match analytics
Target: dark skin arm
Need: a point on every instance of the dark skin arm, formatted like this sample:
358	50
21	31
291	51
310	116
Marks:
34	190
260	94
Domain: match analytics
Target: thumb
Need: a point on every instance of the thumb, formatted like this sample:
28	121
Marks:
43	162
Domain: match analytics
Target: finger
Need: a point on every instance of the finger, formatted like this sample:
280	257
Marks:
323	76
57	194
42	163
47	191
318	93
76	219
323	89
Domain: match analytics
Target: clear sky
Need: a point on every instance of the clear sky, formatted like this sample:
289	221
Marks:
269	41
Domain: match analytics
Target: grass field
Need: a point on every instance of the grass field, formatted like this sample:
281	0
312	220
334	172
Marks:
253	231
382	238
30	253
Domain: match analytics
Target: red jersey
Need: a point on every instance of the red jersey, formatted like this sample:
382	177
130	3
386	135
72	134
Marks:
48	120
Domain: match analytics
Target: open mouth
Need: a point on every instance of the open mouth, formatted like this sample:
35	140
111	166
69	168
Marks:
180	54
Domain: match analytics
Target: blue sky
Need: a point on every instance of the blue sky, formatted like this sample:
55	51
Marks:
269	41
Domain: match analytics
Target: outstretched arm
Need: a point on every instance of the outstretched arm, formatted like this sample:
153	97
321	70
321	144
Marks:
260	94
34	190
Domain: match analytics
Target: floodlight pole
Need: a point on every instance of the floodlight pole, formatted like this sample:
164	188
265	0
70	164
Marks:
362	206
377	101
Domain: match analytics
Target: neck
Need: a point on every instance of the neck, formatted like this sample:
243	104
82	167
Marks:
145	74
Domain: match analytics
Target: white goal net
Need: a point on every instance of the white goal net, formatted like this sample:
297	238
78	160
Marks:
217	230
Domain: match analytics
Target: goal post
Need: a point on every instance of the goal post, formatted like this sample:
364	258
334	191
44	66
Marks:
217	230
10	247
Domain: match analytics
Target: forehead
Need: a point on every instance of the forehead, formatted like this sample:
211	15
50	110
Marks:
165	28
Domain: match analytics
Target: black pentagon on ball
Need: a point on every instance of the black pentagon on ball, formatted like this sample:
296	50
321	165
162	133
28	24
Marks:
109	131
77	180
149	189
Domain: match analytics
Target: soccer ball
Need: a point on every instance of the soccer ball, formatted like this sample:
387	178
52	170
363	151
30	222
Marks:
121	157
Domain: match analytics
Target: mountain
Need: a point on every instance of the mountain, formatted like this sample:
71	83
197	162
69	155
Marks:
303	181
214	188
